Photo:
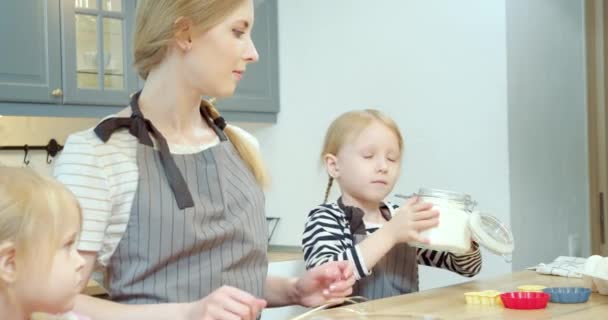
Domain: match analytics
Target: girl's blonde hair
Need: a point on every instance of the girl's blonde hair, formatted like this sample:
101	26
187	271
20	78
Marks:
347	127
155	29
35	214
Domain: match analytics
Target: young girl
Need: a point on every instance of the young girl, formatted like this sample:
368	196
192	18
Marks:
40	268
362	153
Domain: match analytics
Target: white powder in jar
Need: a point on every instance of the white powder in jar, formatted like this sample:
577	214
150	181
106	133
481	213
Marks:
452	234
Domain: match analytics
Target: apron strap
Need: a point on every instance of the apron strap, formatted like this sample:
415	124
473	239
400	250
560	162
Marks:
218	124
354	216
141	128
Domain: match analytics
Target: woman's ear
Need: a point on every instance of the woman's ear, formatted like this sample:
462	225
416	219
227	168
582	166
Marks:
8	267
183	33
331	165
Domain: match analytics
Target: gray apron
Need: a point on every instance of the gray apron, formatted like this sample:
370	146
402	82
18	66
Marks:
395	274
168	254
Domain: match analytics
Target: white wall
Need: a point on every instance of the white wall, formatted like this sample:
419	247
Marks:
547	128
437	67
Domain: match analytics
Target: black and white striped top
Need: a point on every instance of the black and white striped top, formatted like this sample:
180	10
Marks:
327	237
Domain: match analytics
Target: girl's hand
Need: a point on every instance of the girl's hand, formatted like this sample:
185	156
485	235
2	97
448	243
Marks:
330	281
411	219
226	303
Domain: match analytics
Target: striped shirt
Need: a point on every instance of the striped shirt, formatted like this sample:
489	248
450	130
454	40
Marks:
104	179
327	237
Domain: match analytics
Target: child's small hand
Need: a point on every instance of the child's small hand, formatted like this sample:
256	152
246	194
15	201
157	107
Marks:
411	219
226	303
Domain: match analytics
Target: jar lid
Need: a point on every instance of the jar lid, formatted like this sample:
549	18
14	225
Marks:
445	194
489	232
463	198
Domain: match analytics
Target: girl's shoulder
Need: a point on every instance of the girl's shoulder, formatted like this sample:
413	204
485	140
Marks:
326	209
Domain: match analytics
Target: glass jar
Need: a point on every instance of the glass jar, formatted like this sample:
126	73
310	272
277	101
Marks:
452	234
460	224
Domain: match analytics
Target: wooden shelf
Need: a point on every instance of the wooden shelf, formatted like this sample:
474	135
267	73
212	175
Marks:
106	72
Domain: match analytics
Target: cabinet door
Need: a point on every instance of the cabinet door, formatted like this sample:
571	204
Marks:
258	91
30	61
97	59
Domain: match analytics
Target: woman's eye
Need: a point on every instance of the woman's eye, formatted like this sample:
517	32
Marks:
238	33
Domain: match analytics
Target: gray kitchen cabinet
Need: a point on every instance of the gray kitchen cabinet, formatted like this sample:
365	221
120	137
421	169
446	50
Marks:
30	51
74	58
51	51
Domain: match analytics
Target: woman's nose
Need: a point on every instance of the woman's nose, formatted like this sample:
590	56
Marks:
251	55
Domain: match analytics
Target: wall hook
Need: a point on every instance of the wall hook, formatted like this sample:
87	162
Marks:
52	149
25	158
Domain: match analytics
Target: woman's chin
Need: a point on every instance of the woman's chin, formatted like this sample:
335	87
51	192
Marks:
224	92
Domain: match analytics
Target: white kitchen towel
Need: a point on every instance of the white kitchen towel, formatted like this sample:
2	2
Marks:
562	266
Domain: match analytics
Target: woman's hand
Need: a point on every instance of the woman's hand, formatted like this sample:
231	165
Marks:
411	219
330	281
226	303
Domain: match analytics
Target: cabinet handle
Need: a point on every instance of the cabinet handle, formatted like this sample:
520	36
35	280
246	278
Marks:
602	230
57	93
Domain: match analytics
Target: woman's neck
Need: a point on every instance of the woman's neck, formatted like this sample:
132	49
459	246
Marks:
174	107
10	310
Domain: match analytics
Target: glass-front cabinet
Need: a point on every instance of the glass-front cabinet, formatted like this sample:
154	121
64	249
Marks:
97	56
74	58
66	52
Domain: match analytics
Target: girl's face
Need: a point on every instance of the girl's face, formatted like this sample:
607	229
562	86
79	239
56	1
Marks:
52	288
217	59
367	167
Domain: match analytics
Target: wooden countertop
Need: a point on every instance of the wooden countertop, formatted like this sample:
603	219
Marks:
284	253
275	254
449	303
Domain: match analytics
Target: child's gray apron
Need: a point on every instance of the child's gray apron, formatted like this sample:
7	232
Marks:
396	273
197	222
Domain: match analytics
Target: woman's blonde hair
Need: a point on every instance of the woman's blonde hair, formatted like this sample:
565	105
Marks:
347	127
35	213
155	29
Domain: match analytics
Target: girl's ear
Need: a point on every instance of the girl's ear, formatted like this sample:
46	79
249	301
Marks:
8	268
331	165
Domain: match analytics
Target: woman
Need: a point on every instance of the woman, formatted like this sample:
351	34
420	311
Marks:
172	200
